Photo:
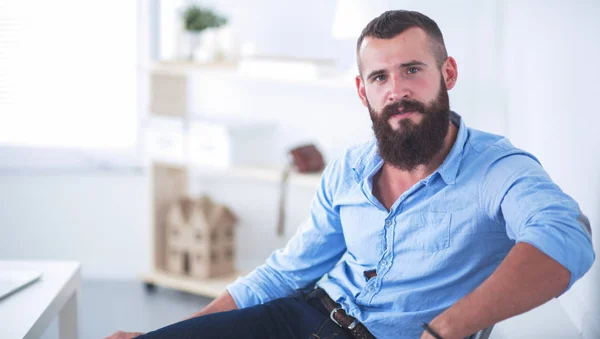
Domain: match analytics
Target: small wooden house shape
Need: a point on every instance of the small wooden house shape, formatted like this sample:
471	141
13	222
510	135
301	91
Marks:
200	238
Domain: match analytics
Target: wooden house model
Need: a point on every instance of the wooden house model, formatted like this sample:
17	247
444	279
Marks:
199	238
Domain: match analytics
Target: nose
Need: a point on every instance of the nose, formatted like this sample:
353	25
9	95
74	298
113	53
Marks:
398	89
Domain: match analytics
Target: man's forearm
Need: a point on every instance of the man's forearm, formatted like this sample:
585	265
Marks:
525	279
223	303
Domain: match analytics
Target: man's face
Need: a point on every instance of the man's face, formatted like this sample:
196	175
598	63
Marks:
407	97
404	143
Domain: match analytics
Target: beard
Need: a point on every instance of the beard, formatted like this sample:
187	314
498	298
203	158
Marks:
412	144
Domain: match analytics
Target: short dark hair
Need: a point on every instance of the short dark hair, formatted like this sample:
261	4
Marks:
391	23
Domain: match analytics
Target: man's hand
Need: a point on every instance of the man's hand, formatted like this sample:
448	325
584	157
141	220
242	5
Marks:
124	335
223	303
426	335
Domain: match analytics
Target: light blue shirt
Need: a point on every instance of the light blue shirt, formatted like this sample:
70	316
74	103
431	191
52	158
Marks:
440	240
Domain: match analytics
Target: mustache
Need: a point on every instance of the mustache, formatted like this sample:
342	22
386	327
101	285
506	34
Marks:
402	106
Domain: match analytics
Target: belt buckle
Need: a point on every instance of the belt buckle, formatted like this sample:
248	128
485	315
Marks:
350	327
332	318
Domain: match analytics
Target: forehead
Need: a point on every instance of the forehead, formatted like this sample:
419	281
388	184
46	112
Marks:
412	44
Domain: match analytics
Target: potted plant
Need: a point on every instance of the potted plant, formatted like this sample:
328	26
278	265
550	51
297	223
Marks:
196	20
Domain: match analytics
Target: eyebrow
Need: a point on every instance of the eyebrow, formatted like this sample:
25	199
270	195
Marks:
403	65
413	63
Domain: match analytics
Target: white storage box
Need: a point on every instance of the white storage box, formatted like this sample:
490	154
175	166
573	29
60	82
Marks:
226	144
165	140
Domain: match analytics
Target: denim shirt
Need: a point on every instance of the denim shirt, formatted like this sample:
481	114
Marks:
440	240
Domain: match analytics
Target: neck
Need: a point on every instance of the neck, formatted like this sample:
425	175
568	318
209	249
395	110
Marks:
394	175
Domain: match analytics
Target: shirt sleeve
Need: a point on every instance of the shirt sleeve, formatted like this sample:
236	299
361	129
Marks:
518	193
313	251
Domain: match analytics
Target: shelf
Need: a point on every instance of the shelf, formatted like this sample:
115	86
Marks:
212	288
180	68
261	173
231	71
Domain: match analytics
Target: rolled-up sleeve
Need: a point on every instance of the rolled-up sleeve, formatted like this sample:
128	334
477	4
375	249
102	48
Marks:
313	251
517	192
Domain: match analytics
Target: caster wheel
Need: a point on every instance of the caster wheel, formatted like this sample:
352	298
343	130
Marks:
150	287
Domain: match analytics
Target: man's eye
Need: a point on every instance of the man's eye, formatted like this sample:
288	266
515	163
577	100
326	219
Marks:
379	78
412	70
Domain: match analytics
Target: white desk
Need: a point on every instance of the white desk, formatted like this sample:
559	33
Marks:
27	313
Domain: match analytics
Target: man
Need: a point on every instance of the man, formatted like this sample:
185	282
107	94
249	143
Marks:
435	222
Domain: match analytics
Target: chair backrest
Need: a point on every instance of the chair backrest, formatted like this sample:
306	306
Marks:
483	334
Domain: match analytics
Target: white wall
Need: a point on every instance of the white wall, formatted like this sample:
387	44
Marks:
551	52
99	219
304	112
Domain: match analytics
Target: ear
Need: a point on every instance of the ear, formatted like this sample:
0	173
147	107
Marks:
360	88
450	72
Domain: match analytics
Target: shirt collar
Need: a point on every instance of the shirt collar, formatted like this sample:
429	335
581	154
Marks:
370	159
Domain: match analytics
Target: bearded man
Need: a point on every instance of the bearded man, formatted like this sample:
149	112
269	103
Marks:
431	230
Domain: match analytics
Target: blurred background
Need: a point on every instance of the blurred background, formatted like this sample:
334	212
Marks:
112	111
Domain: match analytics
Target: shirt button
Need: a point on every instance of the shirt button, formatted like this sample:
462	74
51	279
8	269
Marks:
383	262
388	222
371	288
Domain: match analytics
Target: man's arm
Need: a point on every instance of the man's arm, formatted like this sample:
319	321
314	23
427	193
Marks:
314	250
525	279
553	247
311	252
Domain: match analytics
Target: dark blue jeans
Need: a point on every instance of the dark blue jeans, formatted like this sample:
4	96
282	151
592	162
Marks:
298	316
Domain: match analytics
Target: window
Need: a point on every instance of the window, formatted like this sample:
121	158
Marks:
68	78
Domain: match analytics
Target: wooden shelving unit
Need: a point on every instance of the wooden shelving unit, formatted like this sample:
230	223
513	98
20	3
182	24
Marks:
230	71
170	179
211	288
260	173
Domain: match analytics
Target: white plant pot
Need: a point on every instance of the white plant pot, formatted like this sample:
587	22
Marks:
206	49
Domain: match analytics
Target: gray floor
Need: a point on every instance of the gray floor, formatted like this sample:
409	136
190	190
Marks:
107	306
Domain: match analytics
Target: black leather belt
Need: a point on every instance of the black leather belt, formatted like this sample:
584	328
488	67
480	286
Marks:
339	316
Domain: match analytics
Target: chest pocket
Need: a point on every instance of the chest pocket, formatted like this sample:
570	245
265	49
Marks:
428	231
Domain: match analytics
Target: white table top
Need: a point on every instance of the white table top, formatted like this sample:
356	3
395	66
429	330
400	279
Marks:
27	313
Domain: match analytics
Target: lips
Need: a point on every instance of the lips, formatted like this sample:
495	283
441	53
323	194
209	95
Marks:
402	112
402	109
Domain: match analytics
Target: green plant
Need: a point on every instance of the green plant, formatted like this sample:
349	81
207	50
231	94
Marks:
197	19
